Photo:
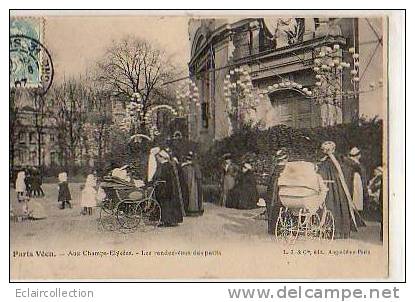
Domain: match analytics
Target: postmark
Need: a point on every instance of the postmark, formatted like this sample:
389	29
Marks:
30	63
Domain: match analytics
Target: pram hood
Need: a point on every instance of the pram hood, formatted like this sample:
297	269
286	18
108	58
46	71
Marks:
299	178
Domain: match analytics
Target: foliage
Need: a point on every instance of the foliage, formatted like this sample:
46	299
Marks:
259	146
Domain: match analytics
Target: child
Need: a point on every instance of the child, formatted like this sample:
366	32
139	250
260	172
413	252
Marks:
20	186
89	195
64	196
34	210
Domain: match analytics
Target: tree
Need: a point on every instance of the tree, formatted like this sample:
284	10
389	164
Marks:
134	68
69	101
14	124
40	115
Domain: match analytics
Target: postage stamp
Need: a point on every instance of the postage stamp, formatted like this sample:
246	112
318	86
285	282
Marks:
30	62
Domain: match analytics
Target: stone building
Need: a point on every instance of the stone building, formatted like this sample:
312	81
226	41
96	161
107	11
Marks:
31	134
270	52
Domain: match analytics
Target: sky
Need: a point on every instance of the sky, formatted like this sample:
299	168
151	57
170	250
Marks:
77	42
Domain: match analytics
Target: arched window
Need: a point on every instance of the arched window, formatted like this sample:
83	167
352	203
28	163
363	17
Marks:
199	42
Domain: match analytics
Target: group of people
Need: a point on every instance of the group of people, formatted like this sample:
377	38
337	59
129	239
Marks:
239	187
178	185
28	185
29	181
348	192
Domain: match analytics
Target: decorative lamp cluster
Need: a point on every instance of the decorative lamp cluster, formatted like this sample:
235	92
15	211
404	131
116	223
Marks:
330	67
186	96
149	117
133	113
239	92
286	84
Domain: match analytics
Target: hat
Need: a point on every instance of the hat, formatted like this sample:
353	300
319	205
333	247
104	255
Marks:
177	134
226	156
379	170
261	202
190	155
163	154
155	150
328	147
247	166
282	154
354	152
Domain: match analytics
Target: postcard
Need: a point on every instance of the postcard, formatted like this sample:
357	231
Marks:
198	146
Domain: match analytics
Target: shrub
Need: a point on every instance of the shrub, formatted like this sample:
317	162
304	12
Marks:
259	146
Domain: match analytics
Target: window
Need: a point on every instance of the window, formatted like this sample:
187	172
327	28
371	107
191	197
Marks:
205	115
52	137
53	158
206	93
293	110
21	156
33	156
22	137
32	137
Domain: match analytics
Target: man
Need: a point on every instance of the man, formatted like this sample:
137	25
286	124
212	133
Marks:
273	202
339	200
167	192
230	172
355	175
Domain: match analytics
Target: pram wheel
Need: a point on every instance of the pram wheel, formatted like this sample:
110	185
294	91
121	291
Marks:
129	214
285	226
313	227
151	212
107	220
327	228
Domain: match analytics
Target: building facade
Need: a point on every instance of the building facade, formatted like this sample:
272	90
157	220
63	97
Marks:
33	138
269	52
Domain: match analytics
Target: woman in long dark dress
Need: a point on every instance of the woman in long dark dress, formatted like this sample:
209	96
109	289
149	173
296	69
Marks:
192	183
245	191
167	193
338	200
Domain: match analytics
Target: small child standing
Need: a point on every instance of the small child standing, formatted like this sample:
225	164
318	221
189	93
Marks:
89	195
20	186
64	196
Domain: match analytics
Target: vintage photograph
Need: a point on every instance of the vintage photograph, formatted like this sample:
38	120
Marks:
198	146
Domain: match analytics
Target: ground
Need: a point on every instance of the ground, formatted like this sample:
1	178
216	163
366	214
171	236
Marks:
219	231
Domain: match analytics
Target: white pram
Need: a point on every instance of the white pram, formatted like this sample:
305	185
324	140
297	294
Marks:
302	193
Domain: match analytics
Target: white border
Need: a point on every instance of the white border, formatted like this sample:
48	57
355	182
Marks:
396	118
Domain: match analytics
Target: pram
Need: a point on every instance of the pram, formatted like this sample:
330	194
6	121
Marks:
125	206
302	193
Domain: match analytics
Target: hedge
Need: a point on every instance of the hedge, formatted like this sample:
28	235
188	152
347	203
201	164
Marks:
259	146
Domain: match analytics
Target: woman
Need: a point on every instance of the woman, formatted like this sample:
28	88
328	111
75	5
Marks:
230	171
339	200
192	179
245	192
376	193
167	192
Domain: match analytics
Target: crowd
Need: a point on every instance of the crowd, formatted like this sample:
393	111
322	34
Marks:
348	194
178	187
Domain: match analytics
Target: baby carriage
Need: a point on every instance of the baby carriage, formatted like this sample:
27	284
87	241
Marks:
302	193
127	206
